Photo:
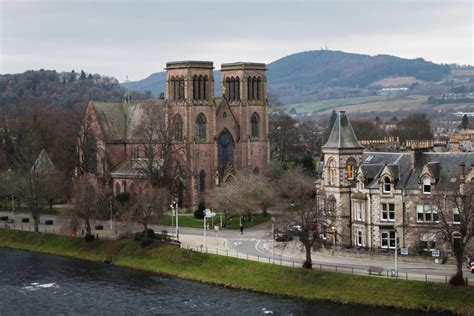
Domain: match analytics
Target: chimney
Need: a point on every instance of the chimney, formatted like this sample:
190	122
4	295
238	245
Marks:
416	157
462	172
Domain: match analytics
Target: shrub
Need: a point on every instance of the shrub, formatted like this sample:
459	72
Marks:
89	238
123	198
199	213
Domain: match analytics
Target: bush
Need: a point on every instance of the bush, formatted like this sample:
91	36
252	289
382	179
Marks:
457	280
123	198
142	235
199	213
89	238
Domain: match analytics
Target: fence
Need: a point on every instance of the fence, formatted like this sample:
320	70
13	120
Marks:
359	270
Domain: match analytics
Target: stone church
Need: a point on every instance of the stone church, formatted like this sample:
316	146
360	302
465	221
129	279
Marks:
380	196
219	135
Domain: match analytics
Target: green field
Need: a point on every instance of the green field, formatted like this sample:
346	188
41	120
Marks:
318	106
250	275
188	220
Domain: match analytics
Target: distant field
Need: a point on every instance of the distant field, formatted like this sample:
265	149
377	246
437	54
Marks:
393	82
319	106
462	72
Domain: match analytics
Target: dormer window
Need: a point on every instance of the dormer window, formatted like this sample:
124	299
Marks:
387	186
426	185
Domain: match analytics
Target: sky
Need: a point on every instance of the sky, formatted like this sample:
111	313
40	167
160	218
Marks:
136	38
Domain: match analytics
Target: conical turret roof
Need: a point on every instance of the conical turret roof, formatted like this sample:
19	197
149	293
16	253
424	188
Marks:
342	135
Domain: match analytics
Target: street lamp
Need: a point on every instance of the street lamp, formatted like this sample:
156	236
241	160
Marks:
13	198
273	239
175	207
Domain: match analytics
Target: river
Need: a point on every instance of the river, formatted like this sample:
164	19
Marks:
39	284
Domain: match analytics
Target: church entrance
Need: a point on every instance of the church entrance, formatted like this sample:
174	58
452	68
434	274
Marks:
226	148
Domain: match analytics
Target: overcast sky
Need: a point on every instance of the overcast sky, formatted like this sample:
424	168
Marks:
136	38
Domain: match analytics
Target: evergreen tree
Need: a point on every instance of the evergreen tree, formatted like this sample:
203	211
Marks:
465	122
83	75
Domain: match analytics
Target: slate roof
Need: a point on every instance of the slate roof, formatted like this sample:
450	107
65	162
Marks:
342	135
119	120
444	167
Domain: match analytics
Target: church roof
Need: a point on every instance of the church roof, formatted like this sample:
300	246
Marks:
342	135
43	164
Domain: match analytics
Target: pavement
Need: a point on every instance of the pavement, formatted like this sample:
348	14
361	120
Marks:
256	244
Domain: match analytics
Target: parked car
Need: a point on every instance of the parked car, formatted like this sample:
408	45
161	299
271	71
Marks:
470	267
283	236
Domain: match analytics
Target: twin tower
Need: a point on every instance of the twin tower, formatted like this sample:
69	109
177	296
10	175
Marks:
223	135
194	81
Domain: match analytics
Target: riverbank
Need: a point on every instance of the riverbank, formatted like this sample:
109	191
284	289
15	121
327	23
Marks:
250	275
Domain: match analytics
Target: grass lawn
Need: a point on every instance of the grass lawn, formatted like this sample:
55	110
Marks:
250	275
188	220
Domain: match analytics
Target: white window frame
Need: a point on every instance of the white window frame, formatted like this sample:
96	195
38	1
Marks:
426	185
430	239
386	185
456	211
360	238
359	209
385	209
429	213
387	235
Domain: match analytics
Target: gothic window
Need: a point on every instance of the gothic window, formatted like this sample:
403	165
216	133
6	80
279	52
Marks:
249	88
387	186
227	87
135	152
201	127
195	88
350	169
237	89
173	88
181	88
331	171
117	188
258	88
202	181
254	88
255	124
178	127
204	88
200	82
232	89
226	147
90	153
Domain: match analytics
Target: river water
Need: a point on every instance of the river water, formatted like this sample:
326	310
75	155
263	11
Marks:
39	284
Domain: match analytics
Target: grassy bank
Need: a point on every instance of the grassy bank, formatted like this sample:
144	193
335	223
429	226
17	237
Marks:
250	275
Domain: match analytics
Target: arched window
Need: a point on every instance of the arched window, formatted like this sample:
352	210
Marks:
255	125
204	88
254	88
387	186
350	169
331	171
201	127
181	88
258	88
132	187
202	181
232	89
237	88
249	88
117	188
135	152
178	127
90	153
195	87
256	171
200	83
227	88
172	88
426	185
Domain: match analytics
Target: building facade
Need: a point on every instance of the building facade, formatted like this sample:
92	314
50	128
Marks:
380	196
217	136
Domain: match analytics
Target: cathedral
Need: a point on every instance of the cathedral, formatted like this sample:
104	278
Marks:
219	135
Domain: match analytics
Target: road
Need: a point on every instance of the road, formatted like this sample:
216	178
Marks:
256	243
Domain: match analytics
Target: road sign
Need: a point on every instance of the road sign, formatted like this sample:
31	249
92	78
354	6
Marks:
435	253
208	213
404	251
216	228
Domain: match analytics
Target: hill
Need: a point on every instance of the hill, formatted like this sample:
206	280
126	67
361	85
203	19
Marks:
325	74
62	90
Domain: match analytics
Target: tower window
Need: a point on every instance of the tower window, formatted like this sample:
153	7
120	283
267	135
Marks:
255	124
201	127
350	169
178	127
202	181
331	172
200	87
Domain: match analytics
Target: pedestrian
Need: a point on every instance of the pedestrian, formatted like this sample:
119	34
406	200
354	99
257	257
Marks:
241	229
469	259
97	237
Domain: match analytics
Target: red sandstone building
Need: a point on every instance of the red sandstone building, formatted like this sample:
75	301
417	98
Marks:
219	136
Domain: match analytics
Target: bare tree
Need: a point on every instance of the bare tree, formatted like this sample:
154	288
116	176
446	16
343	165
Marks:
307	211
223	198
90	203
149	204
455	208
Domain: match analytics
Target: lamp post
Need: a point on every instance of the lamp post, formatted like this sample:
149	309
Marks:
13	198
175	207
273	239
